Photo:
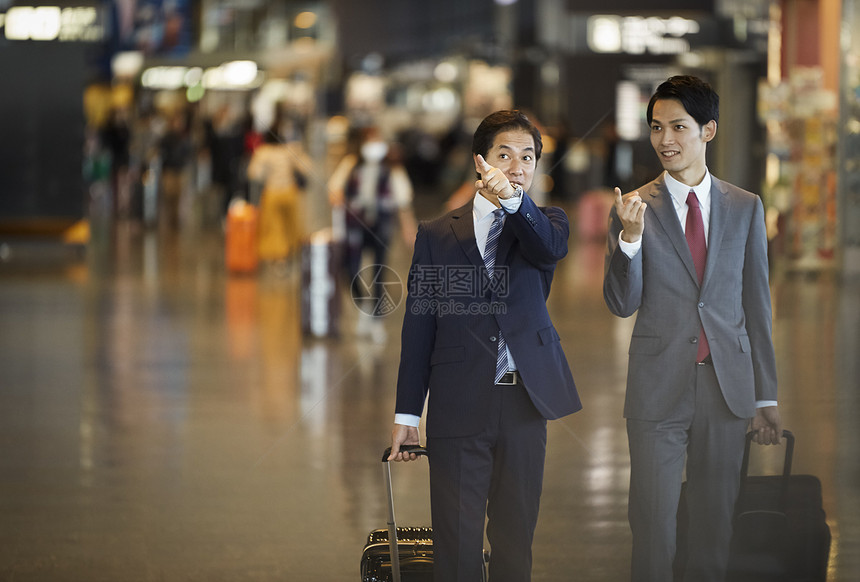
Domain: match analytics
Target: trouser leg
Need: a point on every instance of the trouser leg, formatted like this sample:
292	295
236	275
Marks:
515	491
713	478
460	471
657	451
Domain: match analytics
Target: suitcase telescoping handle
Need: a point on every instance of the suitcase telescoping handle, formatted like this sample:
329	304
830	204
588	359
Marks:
789	453
392	527
786	469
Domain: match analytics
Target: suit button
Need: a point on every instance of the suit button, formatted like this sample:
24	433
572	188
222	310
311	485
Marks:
701	303
694	340
493	338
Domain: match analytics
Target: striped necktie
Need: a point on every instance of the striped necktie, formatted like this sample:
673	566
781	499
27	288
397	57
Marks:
490	263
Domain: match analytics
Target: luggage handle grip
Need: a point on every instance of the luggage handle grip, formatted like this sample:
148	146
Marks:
786	469
416	449
789	453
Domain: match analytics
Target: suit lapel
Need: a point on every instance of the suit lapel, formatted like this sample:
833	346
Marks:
661	205
717	225
463	226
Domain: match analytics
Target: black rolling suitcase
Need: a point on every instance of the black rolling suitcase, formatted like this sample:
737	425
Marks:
780	531
399	553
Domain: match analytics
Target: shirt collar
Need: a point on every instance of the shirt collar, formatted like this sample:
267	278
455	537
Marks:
679	190
482	207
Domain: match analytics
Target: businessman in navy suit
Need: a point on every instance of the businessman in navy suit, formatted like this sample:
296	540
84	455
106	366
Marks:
479	346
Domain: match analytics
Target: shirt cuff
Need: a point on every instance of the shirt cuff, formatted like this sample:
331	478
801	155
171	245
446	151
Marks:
764	403
407	420
512	204
629	249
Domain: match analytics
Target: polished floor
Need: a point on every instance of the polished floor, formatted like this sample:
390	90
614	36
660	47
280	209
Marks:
163	421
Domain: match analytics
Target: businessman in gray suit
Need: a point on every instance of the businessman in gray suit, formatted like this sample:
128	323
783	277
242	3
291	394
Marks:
689	253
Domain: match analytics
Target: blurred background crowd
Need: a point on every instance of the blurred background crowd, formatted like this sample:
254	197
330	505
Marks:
163	112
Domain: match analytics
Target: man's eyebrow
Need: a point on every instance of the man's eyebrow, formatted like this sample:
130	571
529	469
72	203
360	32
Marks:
680	120
507	147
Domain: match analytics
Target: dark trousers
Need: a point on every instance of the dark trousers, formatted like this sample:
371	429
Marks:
497	473
705	435
359	238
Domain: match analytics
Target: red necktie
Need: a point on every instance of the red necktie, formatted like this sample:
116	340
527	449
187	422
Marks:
695	233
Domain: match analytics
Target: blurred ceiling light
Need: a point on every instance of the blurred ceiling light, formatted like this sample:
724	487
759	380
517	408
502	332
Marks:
638	35
445	72
604	34
305	20
193	76
628	118
232	75
36	23
239	73
163	78
506	2
127	64
440	100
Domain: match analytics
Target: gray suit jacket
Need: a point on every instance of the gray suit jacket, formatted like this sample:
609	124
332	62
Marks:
733	303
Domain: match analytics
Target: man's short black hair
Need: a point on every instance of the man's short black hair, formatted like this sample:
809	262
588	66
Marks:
696	96
504	120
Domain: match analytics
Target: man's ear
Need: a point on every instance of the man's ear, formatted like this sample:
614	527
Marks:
475	161
709	130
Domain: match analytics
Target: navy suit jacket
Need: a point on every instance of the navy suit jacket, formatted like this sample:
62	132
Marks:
454	314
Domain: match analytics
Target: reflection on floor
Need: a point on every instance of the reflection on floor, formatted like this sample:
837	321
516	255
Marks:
161	420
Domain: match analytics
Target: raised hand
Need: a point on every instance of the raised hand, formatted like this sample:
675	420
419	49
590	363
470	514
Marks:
493	182
631	212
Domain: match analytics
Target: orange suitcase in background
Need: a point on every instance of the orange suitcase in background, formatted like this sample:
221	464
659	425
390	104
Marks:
241	237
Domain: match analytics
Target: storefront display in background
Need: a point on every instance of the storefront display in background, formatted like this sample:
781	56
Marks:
801	118
849	139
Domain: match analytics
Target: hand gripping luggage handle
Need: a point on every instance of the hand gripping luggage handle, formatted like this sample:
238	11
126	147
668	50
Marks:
789	453
417	449
392	526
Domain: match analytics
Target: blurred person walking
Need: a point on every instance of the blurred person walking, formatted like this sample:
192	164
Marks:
175	152
689	253
375	192
279	166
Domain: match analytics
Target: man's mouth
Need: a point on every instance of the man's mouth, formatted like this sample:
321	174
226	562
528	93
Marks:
670	154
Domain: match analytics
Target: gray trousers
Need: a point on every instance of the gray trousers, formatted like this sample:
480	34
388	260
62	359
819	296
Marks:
703	433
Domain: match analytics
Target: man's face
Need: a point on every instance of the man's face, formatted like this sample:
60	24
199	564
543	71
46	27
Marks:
679	141
513	152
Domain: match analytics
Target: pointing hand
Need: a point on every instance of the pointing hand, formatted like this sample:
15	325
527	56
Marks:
493	182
